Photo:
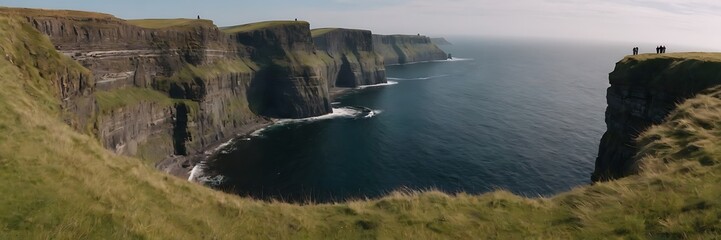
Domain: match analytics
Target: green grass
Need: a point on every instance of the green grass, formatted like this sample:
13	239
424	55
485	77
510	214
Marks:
61	184
54	13
260	25
170	23
701	56
190	73
321	31
115	99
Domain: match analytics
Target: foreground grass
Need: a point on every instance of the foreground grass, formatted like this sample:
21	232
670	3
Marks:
58	183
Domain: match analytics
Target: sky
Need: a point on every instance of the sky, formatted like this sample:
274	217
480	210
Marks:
693	23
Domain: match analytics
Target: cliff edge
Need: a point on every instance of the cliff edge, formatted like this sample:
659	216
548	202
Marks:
402	49
644	90
354	59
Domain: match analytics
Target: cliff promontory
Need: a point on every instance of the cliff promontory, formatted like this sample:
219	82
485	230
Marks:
352	56
402	49
644	90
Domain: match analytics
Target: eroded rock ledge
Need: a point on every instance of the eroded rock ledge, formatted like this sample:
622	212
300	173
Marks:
644	90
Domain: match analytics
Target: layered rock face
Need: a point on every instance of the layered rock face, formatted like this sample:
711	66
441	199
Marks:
644	89
171	60
157	88
402	49
294	83
353	58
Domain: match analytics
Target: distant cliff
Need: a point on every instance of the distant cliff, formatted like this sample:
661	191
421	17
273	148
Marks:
440	41
162	87
353	56
402	49
644	89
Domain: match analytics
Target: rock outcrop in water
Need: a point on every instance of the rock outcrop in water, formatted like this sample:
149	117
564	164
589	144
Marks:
157	88
644	89
402	49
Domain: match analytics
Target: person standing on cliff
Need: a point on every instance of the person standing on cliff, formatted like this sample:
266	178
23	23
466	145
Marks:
658	49
663	49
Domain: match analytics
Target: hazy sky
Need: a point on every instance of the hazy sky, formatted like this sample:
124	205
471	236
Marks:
688	22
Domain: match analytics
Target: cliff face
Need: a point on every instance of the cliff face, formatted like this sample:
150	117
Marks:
187	62
644	89
294	84
353	58
401	49
156	88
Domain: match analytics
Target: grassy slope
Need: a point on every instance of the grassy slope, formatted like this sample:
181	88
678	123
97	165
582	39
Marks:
703	56
54	13
61	184
320	31
168	23
259	25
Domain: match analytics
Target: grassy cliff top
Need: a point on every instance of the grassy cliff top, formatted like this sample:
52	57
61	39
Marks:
402	35
54	13
670	71
701	56
261	25
321	31
168	23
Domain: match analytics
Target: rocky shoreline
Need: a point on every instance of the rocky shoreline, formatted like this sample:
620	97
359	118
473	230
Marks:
181	166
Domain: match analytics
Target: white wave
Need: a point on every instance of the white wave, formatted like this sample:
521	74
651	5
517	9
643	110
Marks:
260	131
343	112
373	113
455	59
221	146
389	83
197	175
419	78
335	103
196	172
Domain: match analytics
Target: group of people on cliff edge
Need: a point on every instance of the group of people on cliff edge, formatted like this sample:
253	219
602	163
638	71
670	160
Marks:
635	51
659	50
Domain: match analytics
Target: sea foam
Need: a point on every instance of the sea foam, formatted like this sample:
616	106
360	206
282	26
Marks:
419	78
389	83
342	112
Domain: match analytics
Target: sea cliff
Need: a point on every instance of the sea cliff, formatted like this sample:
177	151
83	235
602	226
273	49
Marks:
402	49
644	90
158	88
353	57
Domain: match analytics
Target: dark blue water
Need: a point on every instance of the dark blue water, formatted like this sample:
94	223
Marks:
522	116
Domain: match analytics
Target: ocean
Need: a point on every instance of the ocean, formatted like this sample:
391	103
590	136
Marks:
524	116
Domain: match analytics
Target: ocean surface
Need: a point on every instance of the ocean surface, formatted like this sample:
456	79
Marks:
525	116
